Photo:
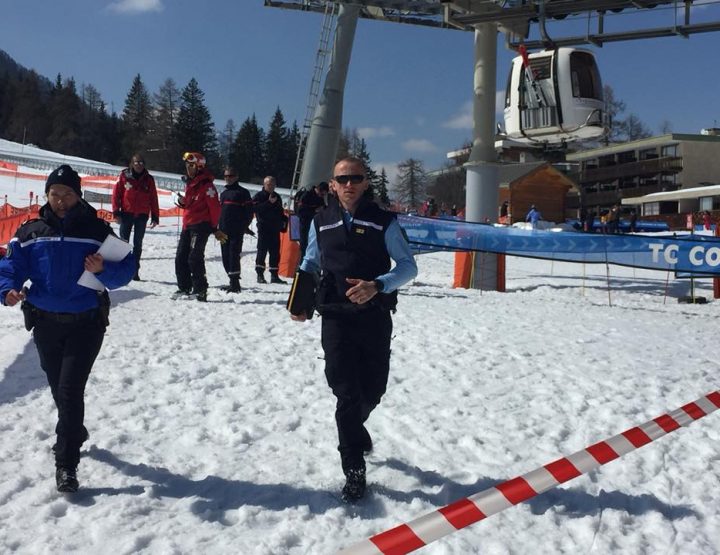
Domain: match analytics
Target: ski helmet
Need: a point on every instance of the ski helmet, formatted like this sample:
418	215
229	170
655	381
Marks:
194	158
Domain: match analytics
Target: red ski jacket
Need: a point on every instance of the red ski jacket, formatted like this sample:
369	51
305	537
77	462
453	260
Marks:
136	195
201	203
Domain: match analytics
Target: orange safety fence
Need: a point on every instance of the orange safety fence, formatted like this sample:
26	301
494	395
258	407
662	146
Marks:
464	269
289	255
8	165
11	217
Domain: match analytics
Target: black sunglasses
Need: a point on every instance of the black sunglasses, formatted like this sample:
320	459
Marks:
355	179
228	175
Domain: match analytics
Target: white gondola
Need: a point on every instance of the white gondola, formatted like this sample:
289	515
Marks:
555	96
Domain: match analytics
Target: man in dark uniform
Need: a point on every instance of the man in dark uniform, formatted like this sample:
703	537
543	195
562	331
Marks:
307	206
69	320
352	242
235	216
270	222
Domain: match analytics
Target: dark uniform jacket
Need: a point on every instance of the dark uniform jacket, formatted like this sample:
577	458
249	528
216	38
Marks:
359	252
236	210
308	204
51	252
270	215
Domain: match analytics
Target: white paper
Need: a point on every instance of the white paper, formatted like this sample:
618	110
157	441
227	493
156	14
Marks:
113	249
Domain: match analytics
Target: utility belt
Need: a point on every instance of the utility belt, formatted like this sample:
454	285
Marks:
32	314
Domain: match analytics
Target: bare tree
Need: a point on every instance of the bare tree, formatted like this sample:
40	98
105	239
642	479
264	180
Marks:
410	183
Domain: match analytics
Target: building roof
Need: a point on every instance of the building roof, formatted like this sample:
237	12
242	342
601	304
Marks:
649	142
682	194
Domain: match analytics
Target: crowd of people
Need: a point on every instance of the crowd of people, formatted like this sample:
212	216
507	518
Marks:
348	245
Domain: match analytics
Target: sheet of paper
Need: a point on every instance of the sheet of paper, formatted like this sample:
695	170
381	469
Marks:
113	249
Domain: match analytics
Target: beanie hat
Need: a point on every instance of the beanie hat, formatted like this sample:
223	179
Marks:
64	175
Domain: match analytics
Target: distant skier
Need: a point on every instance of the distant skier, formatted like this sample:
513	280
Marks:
533	217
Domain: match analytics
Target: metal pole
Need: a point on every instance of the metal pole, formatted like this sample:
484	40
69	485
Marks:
481	194
324	136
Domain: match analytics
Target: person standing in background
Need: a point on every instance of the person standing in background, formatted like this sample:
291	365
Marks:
134	198
307	206
270	222
236	213
201	214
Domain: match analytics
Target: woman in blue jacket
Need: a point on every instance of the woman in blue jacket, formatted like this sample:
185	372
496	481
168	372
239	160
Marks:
69	320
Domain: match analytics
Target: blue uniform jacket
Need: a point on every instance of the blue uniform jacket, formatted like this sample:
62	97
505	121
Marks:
50	252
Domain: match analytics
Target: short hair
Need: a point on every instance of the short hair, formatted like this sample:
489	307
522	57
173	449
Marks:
323	186
270	177
231	170
353	160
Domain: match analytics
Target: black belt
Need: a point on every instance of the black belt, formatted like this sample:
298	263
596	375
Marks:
66	317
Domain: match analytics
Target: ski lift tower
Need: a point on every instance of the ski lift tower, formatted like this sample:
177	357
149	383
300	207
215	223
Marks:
522	21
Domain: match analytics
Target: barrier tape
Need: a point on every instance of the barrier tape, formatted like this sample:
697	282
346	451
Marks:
442	522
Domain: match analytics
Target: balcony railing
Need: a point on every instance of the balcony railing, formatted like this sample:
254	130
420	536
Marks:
668	164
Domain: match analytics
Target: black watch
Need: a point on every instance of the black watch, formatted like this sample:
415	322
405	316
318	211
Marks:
379	285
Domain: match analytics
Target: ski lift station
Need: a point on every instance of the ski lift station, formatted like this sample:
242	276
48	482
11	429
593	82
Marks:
554	89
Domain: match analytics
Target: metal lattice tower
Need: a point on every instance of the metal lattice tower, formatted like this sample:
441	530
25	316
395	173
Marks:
314	95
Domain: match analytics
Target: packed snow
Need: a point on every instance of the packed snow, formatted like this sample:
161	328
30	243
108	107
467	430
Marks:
212	430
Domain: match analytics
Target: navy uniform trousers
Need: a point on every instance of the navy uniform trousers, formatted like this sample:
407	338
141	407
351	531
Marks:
190	258
67	352
357	364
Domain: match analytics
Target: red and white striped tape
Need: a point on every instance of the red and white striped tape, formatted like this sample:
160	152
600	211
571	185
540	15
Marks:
442	522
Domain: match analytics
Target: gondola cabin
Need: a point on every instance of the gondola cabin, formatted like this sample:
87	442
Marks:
554	96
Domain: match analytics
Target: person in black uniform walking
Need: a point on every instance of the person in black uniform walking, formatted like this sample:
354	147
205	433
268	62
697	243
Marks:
270	222
352	243
236	211
69	320
307	206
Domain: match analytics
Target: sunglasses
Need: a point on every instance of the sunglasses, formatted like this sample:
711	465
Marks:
355	179
228	175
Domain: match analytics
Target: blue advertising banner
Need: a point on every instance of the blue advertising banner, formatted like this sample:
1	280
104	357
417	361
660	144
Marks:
686	253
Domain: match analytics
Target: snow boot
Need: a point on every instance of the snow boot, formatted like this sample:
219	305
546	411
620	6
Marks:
354	488
201	296
181	294
234	285
66	480
274	278
261	278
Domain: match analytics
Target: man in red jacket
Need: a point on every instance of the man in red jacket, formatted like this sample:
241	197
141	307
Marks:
201	213
134	198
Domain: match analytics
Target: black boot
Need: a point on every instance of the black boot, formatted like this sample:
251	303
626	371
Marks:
66	480
261	278
274	278
234	285
354	488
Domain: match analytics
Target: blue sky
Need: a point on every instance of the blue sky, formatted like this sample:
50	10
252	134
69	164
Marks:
409	88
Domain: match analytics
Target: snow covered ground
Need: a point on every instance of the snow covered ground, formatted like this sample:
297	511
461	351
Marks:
212	426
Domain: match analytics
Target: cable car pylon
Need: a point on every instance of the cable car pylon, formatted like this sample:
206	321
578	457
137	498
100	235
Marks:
328	23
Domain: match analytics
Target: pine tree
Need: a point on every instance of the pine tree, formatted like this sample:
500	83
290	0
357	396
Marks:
25	111
410	184
64	114
195	130
225	142
164	152
247	152
381	188
279	150
137	118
